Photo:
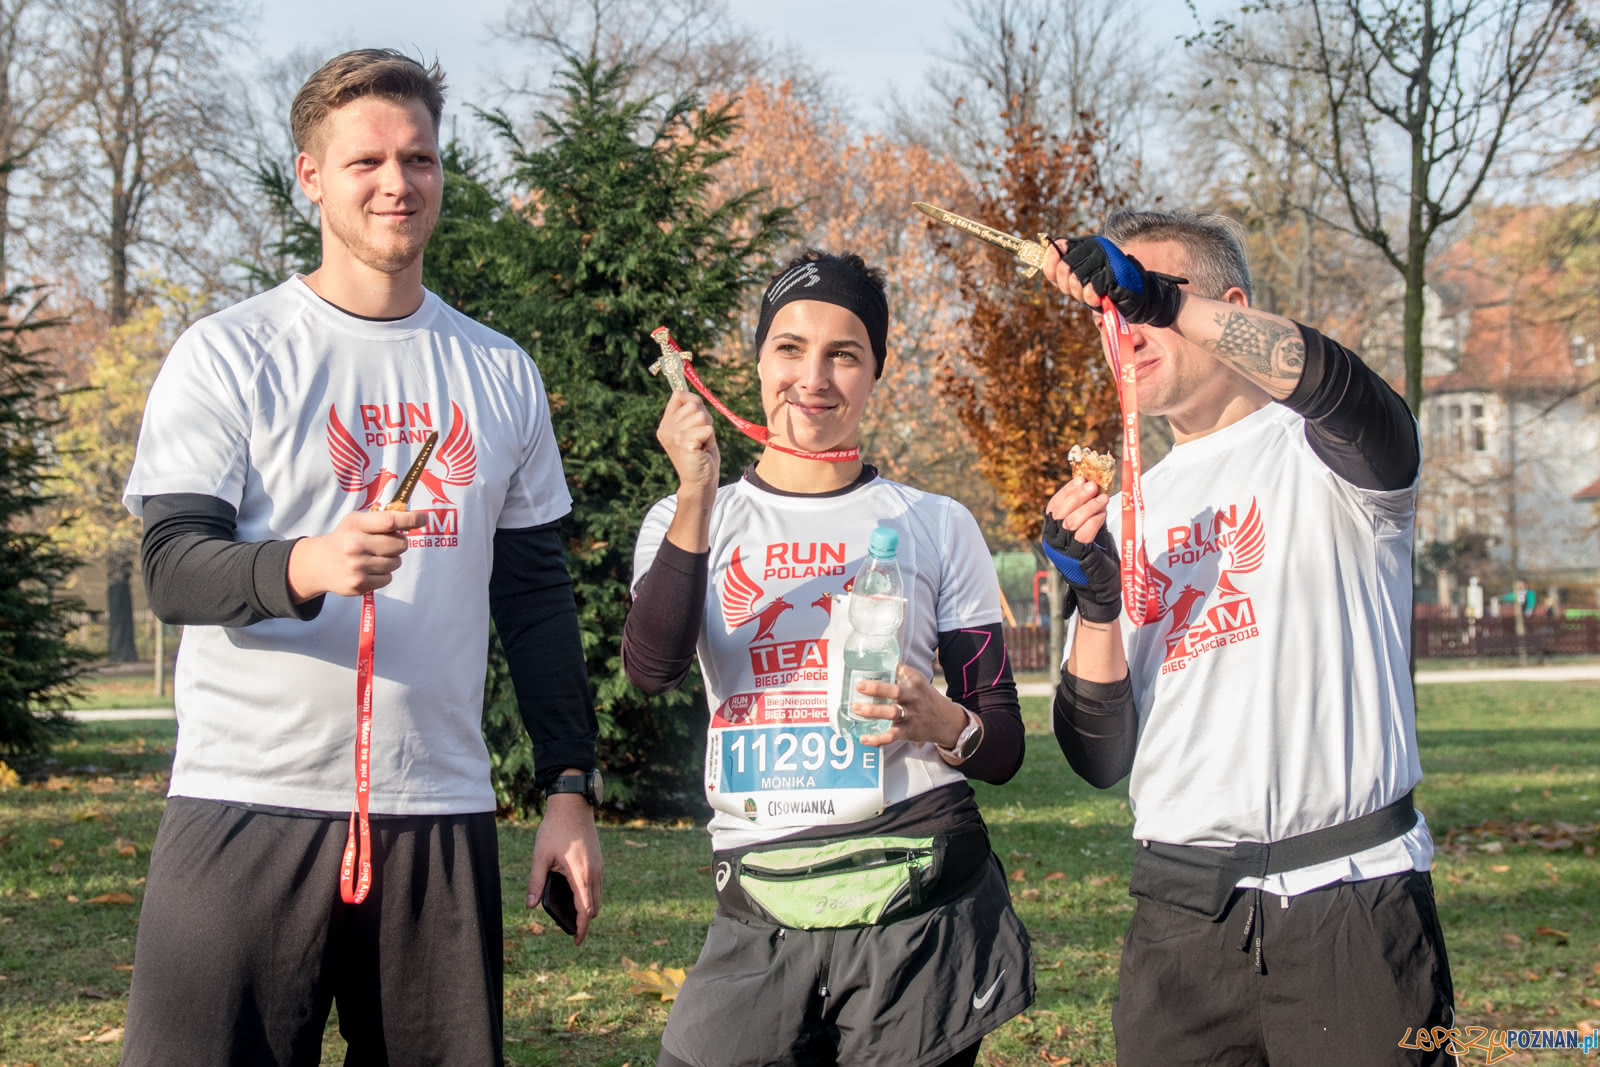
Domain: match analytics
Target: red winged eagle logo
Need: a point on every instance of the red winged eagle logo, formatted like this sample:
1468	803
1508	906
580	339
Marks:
740	595
457	456
1244	554
350	463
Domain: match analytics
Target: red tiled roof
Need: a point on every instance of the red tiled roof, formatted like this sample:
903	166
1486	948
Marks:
1511	341
1588	492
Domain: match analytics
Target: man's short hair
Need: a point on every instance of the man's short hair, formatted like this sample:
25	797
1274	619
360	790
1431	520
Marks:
380	72
1213	245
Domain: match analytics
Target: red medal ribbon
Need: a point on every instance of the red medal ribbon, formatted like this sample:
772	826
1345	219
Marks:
353	890
759	434
1135	564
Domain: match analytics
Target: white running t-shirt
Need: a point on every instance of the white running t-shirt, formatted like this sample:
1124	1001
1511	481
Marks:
1272	684
297	414
774	764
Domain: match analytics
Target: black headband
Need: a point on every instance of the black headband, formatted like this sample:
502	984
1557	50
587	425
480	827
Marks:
832	282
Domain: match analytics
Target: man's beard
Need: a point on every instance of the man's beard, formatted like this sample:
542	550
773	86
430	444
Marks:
388	257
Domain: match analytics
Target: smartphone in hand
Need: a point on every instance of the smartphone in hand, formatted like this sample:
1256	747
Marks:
558	901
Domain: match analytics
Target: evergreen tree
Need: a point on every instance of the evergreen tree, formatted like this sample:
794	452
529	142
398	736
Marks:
619	235
38	665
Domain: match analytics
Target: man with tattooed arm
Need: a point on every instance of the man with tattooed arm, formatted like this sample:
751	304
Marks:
1254	680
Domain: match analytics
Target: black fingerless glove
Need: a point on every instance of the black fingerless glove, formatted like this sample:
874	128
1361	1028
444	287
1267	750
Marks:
1090	570
1143	296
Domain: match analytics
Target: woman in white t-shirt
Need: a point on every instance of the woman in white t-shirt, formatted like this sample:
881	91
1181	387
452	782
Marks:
853	878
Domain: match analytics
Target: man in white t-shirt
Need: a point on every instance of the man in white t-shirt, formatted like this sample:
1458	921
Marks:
1259	696
329	836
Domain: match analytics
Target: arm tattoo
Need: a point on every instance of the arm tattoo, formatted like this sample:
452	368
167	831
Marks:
1261	349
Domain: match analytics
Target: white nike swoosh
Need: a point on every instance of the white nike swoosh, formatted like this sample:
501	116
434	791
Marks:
981	1002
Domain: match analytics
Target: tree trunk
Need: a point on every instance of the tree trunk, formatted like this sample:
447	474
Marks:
1411	329
119	610
1058	624
5	222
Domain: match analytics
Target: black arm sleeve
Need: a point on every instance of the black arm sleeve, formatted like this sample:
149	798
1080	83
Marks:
530	598
1097	728
978	671
663	625
1355	423
196	574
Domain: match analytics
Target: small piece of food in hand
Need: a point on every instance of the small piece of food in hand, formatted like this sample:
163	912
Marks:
1097	467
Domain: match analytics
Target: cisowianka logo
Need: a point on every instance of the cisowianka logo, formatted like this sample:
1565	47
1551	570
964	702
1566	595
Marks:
1198	600
453	466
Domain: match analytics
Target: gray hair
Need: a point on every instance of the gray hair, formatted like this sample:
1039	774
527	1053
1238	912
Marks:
1212	244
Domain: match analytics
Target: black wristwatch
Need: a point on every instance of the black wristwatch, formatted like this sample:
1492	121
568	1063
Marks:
589	784
971	737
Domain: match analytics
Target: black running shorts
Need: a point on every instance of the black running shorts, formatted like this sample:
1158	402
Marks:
907	994
1345	971
244	943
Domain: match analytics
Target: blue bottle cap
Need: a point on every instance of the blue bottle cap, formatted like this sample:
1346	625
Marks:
884	543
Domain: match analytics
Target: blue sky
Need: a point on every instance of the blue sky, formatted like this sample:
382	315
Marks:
869	45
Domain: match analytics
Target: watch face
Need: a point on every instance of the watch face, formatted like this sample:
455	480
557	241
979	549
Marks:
969	740
596	789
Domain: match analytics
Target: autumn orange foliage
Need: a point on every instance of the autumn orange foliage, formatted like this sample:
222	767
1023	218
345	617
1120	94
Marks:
1029	379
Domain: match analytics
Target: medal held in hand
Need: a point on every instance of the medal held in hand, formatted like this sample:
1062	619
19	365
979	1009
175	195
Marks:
1030	253
353	885
1113	329
674	363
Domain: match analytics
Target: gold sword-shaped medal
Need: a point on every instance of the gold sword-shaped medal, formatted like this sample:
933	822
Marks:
402	496
1031	253
671	361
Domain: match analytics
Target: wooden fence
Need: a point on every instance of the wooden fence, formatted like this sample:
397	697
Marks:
1543	635
1435	638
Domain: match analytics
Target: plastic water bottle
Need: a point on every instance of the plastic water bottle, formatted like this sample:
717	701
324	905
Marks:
872	647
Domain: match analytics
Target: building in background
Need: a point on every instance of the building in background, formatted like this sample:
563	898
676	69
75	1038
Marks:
1510	425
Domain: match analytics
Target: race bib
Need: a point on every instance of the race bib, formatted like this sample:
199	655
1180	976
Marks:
773	756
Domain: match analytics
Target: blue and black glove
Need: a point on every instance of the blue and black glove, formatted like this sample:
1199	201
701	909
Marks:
1091	570
1143	296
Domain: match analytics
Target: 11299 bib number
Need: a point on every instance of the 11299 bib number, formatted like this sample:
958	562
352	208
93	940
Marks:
797	757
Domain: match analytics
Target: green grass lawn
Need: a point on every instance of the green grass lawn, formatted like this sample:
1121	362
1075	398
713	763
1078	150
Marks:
122	689
1512	793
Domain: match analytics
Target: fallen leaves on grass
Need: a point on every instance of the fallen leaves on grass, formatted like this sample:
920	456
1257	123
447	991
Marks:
634	844
654	979
1493	835
579	996
103	1037
111	898
1019	875
1055	876
8	777
1511	940
1550	931
535	927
